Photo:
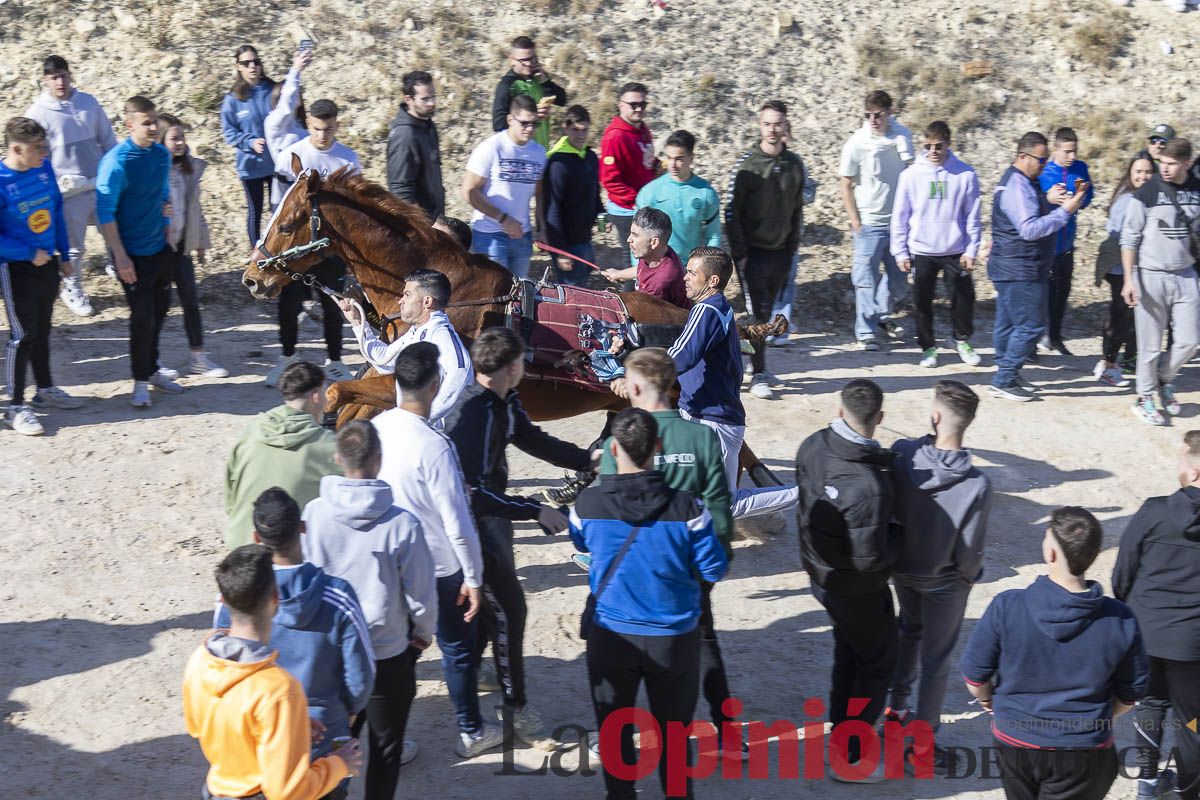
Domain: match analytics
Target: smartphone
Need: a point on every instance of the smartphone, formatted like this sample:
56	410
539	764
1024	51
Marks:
306	45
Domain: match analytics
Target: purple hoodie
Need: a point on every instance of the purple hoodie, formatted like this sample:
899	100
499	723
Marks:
936	211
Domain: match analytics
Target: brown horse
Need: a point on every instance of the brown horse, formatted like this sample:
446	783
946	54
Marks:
382	239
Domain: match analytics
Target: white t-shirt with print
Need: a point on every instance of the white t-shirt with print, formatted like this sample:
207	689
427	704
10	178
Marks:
326	162
511	175
876	163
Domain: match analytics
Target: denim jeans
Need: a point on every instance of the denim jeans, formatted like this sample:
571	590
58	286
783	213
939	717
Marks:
512	254
579	273
1020	322
875	294
456	640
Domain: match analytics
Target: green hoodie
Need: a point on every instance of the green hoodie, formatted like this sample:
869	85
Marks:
282	447
765	206
690	461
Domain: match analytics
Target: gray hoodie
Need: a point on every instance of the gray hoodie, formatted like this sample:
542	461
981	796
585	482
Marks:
79	134
354	532
942	503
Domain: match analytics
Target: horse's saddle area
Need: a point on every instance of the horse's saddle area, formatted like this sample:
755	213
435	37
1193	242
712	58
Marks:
564	325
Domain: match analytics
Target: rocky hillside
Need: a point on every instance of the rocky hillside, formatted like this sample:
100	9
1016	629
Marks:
1102	69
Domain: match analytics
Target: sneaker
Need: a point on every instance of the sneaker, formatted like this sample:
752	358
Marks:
173	374
876	775
772	381
409	751
582	560
967	353
486	679
204	366
1154	788
1166	393
22	420
748	369
165	384
313	309
572	485
528	726
1060	348
760	388
737	749
890	329
1112	377
76	299
336	371
941	761
869	345
1027	386
1044	347
470	745
1146	411
141	394
1128	366
902	716
54	397
593	740
277	371
928	358
1014	393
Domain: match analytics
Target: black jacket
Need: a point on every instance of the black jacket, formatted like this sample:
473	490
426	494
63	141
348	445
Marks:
481	427
847	541
504	95
572	196
1158	574
414	163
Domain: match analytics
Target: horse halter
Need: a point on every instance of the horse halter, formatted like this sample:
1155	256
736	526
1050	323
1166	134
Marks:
278	262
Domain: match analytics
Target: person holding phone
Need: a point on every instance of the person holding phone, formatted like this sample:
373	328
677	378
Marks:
243	117
527	77
1065	169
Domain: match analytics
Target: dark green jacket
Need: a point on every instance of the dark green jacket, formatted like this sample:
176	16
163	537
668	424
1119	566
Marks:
764	208
690	461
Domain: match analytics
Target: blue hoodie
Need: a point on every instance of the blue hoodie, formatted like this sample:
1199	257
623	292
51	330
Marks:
708	358
1069	176
323	642
243	121
1057	659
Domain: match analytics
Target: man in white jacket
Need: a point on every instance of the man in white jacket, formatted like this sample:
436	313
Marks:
421	466
79	133
423	308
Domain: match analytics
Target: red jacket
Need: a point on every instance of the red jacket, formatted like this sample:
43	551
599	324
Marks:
627	161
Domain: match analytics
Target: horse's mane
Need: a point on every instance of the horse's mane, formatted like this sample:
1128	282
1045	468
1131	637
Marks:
348	183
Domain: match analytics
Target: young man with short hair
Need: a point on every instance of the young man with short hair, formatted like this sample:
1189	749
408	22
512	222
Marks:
132	195
79	134
319	630
527	78
357	533
569	197
423	309
1160	277
500	181
1157	572
941	502
284	447
690	201
32	229
487	418
455	228
1067	170
248	712
871	163
627	160
414	159
654	549
935	229
1024	221
1070	661
420	465
658	270
847	546
764	218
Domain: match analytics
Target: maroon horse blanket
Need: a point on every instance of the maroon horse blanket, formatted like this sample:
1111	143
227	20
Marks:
565	320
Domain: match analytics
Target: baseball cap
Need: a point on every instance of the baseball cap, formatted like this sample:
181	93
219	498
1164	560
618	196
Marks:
1165	131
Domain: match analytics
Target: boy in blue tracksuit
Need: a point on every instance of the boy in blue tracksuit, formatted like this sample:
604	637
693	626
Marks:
32	230
319	629
651	547
1067	171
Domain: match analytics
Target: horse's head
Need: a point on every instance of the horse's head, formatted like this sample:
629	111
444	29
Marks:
284	250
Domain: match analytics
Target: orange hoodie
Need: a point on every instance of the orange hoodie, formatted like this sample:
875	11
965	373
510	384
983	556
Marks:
251	718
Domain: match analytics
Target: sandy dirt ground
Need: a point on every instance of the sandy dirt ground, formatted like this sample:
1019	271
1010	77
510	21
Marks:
112	524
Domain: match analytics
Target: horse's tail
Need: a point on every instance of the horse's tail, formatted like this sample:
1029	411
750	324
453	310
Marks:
758	332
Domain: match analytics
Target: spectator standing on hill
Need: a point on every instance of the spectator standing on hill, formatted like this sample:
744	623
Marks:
1159	136
627	160
935	229
569	197
1065	169
243	116
414	159
690	201
79	134
287	122
527	78
871	163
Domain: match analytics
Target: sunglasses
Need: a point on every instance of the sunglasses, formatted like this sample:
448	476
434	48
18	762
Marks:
1157	140
526	61
526	124
1041	161
873	114
934	145
638	106
255	62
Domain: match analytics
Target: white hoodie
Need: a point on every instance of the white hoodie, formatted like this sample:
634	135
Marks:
79	134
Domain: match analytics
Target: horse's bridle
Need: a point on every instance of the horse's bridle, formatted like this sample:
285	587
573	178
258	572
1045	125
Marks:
279	262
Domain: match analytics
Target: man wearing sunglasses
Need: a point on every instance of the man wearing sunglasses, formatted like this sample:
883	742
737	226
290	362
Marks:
627	160
1159	136
527	77
1024	222
871	163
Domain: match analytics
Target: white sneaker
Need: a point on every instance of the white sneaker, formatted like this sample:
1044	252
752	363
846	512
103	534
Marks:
168	372
336	371
204	366
141	394
54	397
760	388
277	371
967	353
165	384
409	751
76	299
928	358
528	726
489	736
22	420
876	775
